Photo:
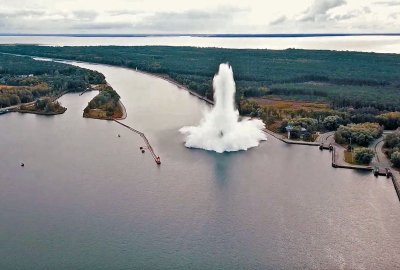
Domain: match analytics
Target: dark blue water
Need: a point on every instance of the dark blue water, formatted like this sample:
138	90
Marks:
87	199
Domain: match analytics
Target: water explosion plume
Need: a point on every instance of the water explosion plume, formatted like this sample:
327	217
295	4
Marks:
220	129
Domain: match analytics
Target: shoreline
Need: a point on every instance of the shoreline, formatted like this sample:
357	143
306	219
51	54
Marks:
177	84
123	109
335	163
40	113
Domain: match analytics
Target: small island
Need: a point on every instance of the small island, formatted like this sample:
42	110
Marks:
106	105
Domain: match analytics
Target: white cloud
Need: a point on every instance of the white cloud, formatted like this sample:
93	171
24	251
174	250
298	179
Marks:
198	21
319	10
207	16
278	20
388	3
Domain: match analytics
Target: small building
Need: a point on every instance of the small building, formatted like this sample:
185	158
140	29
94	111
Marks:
288	128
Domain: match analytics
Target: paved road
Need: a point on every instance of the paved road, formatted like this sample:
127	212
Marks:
380	158
327	137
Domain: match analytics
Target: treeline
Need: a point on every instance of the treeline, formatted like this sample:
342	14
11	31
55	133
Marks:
23	79
351	78
339	96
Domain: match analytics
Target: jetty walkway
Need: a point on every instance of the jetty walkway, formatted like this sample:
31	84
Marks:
148	146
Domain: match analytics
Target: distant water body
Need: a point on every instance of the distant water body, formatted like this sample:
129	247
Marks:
379	44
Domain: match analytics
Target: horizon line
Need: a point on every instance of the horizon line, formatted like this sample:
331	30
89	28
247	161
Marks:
220	35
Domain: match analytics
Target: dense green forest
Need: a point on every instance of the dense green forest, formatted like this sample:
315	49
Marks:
339	78
23	79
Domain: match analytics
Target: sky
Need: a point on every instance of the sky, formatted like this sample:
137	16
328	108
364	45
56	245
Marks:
199	17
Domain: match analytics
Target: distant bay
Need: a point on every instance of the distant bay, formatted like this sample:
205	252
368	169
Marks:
385	43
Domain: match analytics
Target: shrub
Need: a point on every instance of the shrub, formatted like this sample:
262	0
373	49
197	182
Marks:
363	155
332	122
392	140
395	159
310	124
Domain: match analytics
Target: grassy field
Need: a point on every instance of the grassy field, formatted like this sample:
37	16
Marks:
348	157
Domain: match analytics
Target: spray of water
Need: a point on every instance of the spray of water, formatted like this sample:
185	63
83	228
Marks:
220	129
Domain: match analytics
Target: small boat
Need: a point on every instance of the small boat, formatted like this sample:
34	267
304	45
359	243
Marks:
22	164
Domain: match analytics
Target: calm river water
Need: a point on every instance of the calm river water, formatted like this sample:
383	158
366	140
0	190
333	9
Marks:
87	199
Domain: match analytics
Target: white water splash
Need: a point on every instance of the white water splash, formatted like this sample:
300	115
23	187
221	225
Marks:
220	129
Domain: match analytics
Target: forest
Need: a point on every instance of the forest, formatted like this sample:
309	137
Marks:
23	79
338	78
318	90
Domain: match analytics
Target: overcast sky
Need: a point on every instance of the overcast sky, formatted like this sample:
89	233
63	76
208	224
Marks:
206	16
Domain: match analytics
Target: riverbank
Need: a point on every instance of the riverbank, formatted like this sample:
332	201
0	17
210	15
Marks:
42	112
123	110
180	86
288	141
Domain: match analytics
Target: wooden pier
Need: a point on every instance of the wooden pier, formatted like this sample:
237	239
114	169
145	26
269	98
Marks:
148	146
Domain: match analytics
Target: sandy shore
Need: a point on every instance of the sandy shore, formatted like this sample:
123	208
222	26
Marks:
123	109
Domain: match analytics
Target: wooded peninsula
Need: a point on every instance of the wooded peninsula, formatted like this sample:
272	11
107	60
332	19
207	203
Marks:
32	86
